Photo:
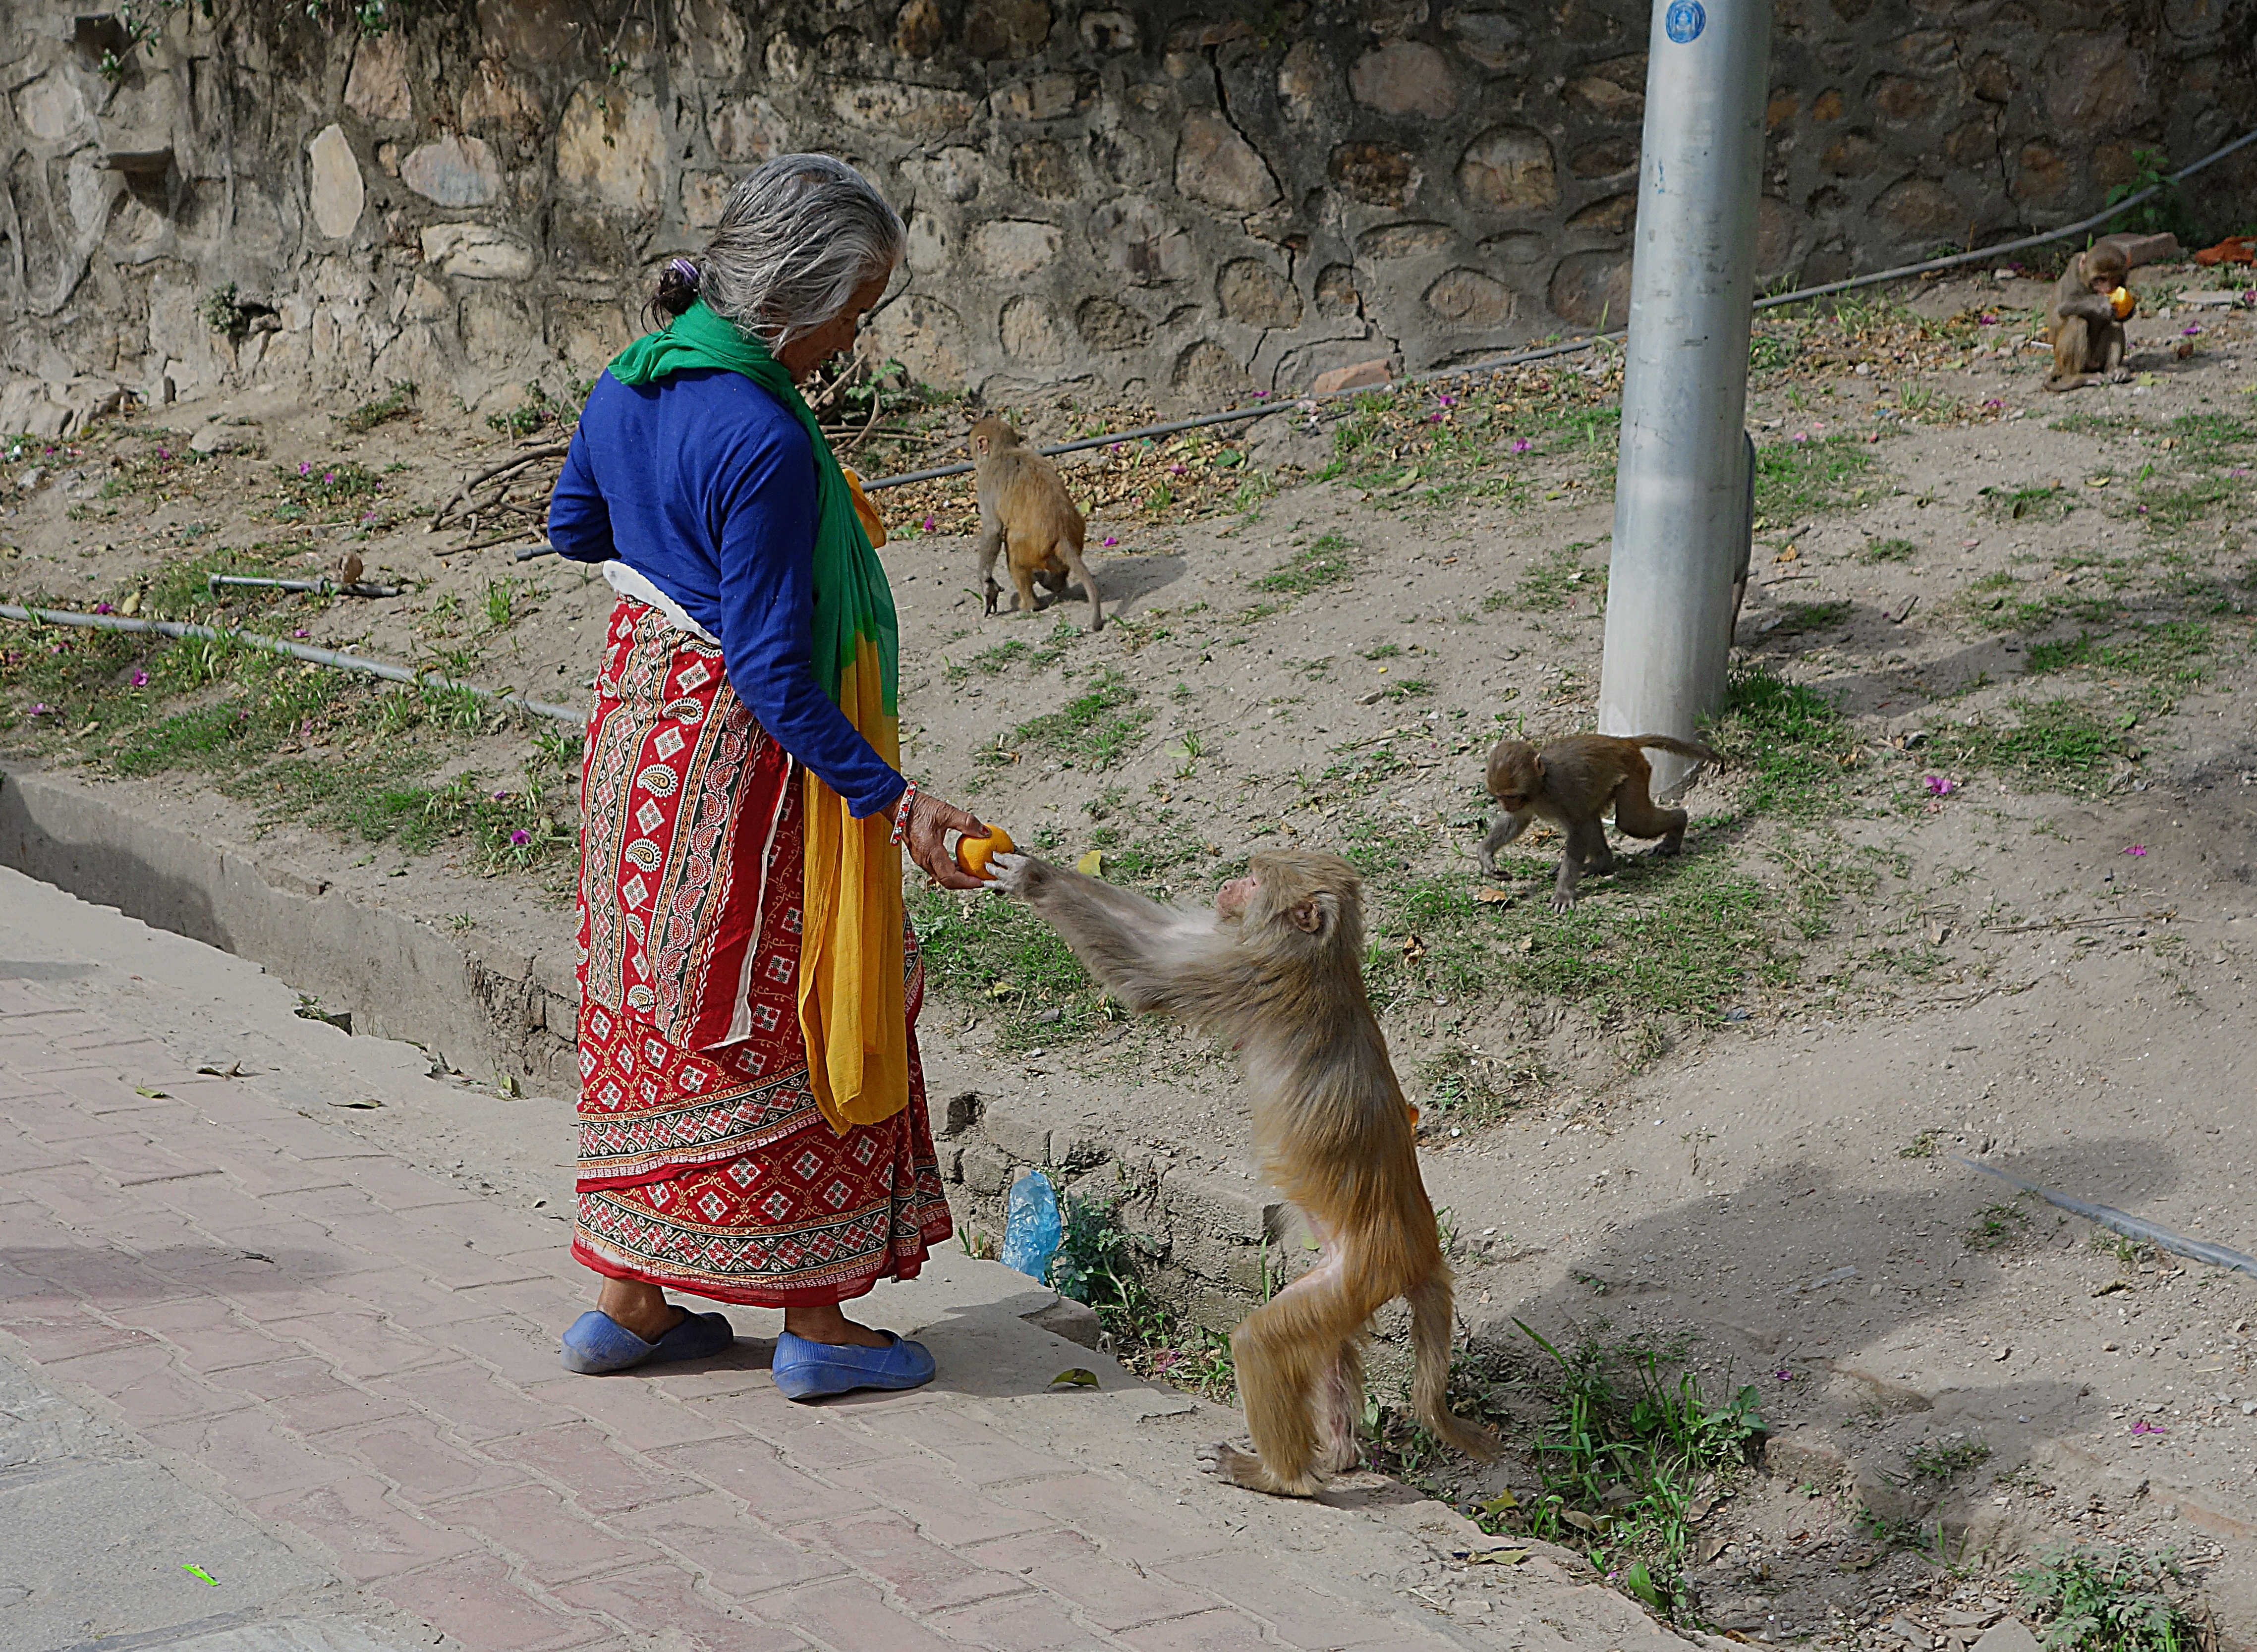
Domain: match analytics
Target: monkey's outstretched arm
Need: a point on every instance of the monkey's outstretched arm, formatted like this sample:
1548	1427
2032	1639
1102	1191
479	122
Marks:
1143	952
2093	307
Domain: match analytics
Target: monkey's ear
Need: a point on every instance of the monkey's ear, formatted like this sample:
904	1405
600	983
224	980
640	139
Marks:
1312	914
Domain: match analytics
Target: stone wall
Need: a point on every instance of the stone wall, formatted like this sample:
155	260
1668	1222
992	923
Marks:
1172	202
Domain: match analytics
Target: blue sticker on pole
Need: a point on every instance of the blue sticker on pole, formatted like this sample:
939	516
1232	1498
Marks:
1684	21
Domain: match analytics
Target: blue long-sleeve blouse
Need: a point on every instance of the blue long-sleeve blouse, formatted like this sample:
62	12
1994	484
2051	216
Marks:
704	484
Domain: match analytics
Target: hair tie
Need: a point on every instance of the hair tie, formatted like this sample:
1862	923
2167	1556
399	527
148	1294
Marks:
686	270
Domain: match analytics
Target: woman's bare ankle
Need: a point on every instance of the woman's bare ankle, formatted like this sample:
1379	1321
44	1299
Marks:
828	1323
639	1306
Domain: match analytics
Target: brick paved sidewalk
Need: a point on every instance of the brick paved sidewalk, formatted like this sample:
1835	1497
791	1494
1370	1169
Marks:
361	1359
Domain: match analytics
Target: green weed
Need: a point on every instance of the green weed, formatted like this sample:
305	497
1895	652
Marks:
1791	745
399	405
1326	560
1945	1460
2064	742
1093	730
1890	551
2091	1598
1795	479
1556	580
2048	502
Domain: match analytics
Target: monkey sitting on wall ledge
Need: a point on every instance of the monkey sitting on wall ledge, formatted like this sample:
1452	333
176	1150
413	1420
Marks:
1026	514
1277	970
1571	784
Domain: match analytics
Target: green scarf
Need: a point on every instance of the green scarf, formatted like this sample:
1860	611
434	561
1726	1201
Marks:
854	1017
852	600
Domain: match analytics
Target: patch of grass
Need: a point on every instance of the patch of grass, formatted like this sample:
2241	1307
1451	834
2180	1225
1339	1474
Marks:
1464	1088
1890	551
399	404
2065	743
2166	508
1093	731
2205	437
1326	560
997	954
536	408
1631	1436
1792	744
1921	1146
1099	1262
2093	1597
1385	651
2089	424
1557	581
2175	653
1946	1458
2045	502
992	661
1996	1226
1408	689
1795	479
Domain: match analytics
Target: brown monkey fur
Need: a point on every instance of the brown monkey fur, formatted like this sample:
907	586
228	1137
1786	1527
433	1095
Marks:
1026	513
2088	341
1571	783
1277	969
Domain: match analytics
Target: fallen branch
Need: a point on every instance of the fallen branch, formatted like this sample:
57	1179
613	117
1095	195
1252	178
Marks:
2163	916
507	467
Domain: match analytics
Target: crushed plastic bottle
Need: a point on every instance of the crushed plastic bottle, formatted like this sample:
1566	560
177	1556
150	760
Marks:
1030	1225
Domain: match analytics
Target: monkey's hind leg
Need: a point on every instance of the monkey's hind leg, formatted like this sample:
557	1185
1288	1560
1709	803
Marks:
1024	577
2068	354
1430	1379
1340	1408
1637	814
1283	1352
1587	851
2112	347
1070	553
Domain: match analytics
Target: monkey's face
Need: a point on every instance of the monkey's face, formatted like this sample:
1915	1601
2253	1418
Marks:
1315	898
2104	270
1516	777
1230	899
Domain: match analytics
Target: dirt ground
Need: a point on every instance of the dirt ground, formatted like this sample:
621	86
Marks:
1998	904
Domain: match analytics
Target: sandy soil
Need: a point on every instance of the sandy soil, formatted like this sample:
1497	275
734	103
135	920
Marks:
2052	981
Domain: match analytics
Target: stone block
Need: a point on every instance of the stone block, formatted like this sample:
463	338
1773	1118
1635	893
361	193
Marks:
1076	1321
1030	334
1012	248
1355	376
1511	169
377	85
478	250
959	1112
332	183
1469	299
454	172
1025	1138
609	147
1006	28
1134	238
1108	30
1304	80
1251	292
2008	1634
1215	165
984	1168
1108	324
1405	77
1376	174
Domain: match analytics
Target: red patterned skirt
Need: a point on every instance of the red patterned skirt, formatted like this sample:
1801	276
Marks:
704	1165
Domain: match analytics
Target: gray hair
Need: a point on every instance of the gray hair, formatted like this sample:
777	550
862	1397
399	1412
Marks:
798	237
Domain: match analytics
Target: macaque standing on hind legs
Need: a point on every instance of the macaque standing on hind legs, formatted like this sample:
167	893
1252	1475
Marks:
1277	970
1571	784
1026	514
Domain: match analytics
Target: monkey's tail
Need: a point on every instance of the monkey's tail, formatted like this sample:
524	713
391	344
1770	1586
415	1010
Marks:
1683	748
1429	1382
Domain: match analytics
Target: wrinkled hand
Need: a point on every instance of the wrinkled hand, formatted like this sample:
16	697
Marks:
930	821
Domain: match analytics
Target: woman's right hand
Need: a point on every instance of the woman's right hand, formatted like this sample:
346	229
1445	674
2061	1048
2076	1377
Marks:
930	821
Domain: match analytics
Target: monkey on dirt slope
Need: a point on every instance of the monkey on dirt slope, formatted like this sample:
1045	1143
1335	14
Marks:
1571	784
1277	970
1026	514
2081	324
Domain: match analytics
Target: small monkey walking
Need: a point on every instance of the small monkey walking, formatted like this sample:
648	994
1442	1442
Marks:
1275	968
1026	513
1571	783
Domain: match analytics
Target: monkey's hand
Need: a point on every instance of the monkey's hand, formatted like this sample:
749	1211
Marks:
1014	875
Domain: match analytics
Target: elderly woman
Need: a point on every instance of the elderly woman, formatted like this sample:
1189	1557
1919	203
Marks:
752	1122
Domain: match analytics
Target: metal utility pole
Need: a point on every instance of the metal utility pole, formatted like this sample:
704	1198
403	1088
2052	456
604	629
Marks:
1680	480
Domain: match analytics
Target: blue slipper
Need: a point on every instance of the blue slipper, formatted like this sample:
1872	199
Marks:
596	1342
808	1370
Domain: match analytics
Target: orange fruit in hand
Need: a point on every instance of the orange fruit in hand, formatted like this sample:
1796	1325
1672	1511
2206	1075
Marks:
2123	303
972	852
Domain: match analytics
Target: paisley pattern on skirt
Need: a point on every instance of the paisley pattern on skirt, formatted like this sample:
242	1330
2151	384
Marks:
704	1165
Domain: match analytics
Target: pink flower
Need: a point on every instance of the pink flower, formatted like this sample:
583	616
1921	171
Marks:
302	633
140	679
103	608
329	475
1939	787
501	797
1261	395
2145	1427
1176	469
1433	419
1994	403
1784	1374
520	838
930	524
304	469
1110	541
1522	444
1447	401
2136	851
1802	436
40	708
164	453
2189	330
